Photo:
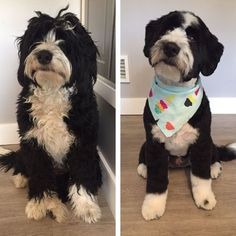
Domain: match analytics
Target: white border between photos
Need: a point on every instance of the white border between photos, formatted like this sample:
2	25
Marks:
118	130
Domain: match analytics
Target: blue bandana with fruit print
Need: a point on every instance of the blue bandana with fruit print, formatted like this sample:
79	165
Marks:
172	106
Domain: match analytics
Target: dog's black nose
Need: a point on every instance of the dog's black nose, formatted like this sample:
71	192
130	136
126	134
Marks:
171	49
44	57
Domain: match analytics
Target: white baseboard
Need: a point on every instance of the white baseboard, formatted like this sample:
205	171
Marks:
109	185
219	105
132	106
224	105
9	135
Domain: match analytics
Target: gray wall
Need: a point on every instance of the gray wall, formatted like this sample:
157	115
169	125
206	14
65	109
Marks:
13	21
218	15
99	20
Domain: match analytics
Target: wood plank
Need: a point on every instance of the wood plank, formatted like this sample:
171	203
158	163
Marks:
181	217
13	221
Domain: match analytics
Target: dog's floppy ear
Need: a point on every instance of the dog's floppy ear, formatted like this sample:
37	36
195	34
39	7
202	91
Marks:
22	44
84	53
151	35
212	53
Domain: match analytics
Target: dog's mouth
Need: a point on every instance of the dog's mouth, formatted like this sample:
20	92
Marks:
169	62
168	70
34	72
33	77
48	78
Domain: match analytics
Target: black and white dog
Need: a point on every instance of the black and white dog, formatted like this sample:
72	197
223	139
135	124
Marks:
58	119
179	47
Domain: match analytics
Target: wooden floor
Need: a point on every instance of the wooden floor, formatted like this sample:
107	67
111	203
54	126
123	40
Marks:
13	221
181	216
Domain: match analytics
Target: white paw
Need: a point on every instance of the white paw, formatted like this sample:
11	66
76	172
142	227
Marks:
57	208
232	146
202	193
142	170
4	151
204	200
88	212
38	209
35	209
84	205
154	205
19	180
216	170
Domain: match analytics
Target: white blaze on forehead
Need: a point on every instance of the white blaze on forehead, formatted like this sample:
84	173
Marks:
51	36
184	59
177	36
189	19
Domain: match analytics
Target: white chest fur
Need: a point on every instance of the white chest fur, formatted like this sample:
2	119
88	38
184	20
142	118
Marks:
47	110
177	144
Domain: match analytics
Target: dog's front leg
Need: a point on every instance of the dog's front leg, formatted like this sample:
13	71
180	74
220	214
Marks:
42	187
85	179
201	155
157	181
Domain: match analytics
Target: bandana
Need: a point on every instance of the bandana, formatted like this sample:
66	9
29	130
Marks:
172	106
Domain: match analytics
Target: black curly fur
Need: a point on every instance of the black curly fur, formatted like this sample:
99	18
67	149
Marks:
206	51
81	163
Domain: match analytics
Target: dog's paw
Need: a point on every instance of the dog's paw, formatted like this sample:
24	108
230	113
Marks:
35	209
154	206
88	211
84	205
142	170
202	193
19	180
57	209
204	200
216	170
38	209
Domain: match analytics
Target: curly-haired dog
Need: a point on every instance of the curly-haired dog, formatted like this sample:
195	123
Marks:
177	115
58	119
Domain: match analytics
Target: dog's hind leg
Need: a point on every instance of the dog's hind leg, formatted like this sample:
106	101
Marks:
20	177
142	168
216	167
85	175
20	180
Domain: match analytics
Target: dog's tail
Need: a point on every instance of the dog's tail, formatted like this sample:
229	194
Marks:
7	159
227	153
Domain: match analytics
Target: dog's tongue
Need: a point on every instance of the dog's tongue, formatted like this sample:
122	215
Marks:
49	79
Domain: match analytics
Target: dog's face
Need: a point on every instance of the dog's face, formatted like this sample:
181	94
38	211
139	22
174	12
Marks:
180	46
56	52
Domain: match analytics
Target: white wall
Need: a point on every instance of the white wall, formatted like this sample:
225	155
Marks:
219	16
13	21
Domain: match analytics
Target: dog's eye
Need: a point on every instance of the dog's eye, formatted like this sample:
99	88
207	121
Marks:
191	38
34	45
192	33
